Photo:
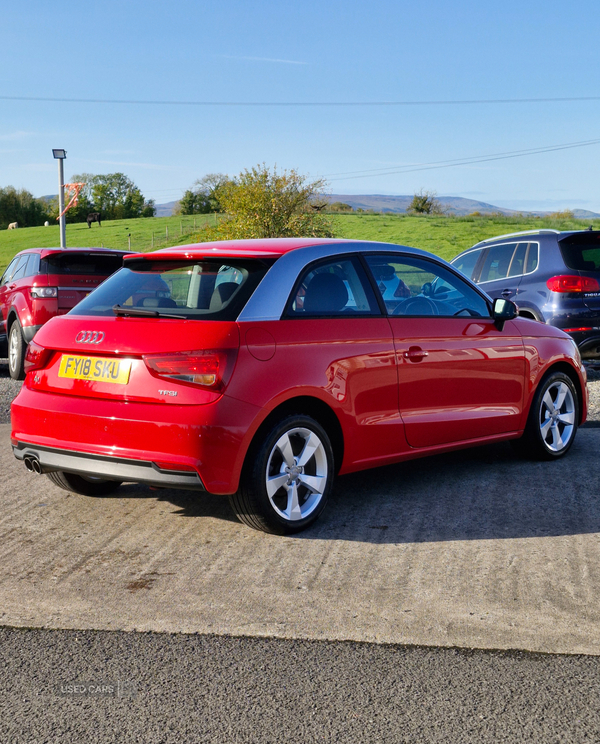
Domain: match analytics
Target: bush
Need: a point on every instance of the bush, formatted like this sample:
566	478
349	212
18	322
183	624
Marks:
425	202
261	203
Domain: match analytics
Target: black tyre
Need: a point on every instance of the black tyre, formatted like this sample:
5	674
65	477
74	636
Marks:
16	351
84	485
553	419
287	478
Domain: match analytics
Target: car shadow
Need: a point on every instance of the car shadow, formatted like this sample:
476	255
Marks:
486	493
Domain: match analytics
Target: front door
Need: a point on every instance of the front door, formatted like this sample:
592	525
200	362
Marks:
459	377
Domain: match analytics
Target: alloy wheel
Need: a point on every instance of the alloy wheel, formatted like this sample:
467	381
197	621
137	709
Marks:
557	416
297	474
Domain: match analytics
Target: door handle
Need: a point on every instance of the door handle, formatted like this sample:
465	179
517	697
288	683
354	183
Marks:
507	292
415	353
11	286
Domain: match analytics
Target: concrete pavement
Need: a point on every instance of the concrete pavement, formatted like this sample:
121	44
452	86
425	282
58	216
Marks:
474	549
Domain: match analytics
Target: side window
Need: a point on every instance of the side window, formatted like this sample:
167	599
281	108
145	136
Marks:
417	287
517	262
497	262
531	261
466	263
9	271
33	265
19	271
337	287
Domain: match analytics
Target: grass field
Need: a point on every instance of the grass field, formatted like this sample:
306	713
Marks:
444	236
145	234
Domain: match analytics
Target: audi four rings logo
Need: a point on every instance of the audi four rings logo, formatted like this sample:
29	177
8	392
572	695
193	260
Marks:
89	337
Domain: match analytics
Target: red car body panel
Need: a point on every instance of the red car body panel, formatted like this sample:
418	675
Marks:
16	298
379	376
482	370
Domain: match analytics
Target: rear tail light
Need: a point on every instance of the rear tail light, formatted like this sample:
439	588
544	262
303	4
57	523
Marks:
567	283
37	357
43	293
209	369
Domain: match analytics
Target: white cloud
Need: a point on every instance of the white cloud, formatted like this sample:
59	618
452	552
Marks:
19	135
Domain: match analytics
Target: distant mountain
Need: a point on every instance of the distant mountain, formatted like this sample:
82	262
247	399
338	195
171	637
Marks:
167	209
457	205
585	214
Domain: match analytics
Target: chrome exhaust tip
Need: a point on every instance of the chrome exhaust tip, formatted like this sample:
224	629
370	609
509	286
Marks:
32	464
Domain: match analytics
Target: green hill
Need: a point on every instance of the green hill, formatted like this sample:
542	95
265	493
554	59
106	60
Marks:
443	235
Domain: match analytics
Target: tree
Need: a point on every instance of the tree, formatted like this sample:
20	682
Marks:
261	203
204	196
425	202
192	203
114	195
22	207
340	207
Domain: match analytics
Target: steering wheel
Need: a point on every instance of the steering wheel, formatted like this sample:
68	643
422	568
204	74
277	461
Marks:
472	313
416	306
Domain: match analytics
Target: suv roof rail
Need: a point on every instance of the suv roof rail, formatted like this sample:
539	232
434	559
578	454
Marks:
523	232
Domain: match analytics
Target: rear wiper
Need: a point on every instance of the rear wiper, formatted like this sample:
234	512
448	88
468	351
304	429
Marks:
125	311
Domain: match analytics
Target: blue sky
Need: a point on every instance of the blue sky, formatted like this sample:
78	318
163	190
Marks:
321	52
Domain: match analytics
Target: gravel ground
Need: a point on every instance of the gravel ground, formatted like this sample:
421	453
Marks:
9	389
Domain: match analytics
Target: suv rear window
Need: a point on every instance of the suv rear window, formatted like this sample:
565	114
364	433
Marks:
581	252
91	264
207	290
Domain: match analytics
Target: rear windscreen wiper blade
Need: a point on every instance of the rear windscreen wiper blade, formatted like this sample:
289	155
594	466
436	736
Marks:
125	311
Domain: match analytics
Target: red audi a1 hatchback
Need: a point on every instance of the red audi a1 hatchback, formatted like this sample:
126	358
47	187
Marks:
260	369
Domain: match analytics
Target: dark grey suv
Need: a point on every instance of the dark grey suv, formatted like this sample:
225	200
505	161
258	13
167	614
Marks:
553	276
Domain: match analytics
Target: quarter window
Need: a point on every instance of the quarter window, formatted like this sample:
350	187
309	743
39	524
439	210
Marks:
531	261
334	288
517	262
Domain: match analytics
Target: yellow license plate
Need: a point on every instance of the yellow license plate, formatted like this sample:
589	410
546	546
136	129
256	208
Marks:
99	369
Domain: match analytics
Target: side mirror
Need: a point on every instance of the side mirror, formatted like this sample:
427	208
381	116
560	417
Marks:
503	310
426	289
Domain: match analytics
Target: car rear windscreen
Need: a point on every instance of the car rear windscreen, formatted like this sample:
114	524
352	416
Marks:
91	264
206	290
581	252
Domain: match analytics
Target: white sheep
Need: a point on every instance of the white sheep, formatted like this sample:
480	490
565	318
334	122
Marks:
13	226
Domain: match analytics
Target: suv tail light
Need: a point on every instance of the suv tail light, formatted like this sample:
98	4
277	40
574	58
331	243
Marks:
37	357
568	283
42	293
209	369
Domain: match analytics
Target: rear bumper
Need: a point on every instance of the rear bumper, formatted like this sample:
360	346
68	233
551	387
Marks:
29	332
122	439
111	468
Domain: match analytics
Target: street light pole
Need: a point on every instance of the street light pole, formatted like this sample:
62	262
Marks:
61	155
